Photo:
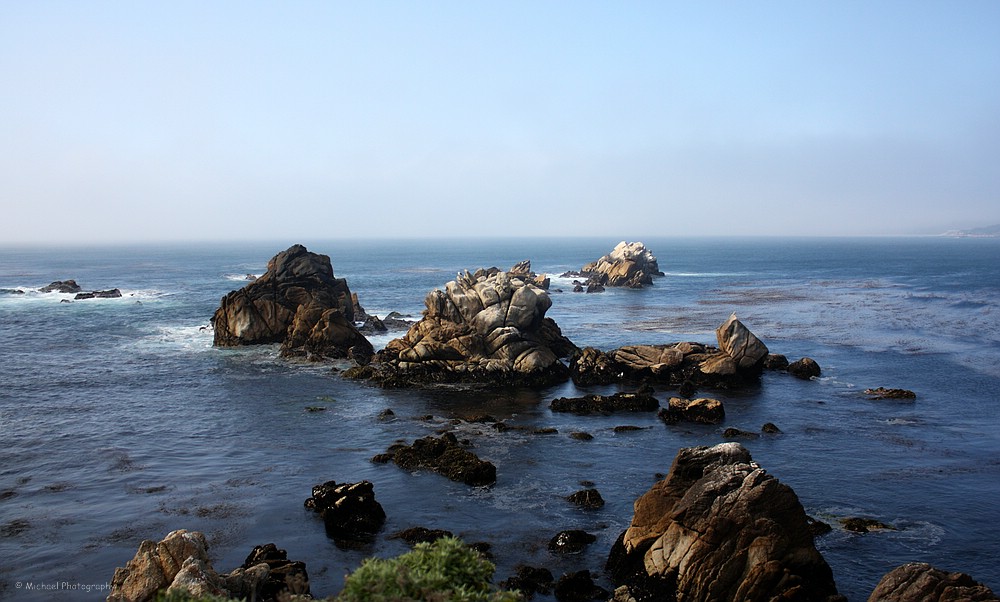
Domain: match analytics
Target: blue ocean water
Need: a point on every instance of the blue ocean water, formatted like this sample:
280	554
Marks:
121	422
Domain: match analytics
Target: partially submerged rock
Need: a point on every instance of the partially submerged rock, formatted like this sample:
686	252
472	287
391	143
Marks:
628	264
297	302
487	327
349	510
805	368
639	401
739	359
718	527
884	393
445	456
703	410
571	541
61	286
920	582
113	293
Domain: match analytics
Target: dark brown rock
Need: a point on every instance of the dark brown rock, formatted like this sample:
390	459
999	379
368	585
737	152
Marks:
529	581
579	586
718	527
572	541
108	294
884	393
606	404
285	577
589	499
445	456
920	582
61	286
297	302
804	368
703	410
350	512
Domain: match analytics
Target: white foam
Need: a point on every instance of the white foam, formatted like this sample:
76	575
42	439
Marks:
245	277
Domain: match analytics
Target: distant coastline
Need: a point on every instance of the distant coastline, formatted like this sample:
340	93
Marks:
984	232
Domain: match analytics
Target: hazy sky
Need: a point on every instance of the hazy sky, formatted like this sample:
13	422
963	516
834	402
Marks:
291	120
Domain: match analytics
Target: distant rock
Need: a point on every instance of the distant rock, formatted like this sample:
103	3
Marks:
805	368
628	264
487	327
983	232
718	527
297	302
920	582
639	401
108	294
884	393
61	286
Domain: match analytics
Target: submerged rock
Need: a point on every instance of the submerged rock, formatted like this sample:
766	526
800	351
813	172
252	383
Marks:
487	327
884	393
718	527
639	401
920	582
113	293
297	302
350	512
445	456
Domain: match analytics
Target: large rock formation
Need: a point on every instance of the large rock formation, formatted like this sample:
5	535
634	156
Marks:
629	264
179	564
720	528
920	582
739	358
297	302
487	327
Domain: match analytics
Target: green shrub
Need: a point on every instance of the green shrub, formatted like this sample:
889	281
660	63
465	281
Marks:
444	571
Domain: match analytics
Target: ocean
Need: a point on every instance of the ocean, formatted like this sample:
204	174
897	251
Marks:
120	422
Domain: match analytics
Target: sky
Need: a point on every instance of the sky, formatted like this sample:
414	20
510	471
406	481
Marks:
212	121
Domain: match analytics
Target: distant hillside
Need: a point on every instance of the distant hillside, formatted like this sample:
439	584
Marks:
979	232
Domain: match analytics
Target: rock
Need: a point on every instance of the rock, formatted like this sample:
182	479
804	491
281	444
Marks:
718	527
703	410
14	291
579	587
920	582
883	393
486	328
572	541
775	361
529	581
415	535
770	428
864	525
350	512
606	404
581	436
735	433
588	499
297	302
628	264
108	294
284	576
179	564
804	368
747	351
61	286
445	456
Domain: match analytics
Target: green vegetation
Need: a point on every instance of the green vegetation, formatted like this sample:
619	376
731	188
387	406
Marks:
444	571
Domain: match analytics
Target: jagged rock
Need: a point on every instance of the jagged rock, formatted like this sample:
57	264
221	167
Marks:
628	264
572	541
487	327
297	302
349	511
864	525
804	368
579	586
703	410
589	499
883	393
920	582
606	404
61	286
283	575
113	293
735	433
415	535
445	456
746	350
180	564
720	528
529	581
770	428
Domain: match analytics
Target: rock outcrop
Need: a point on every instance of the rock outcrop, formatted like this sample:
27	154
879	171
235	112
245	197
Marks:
640	401
920	582
720	528
629	264
703	410
61	286
739	358
805	368
349	510
443	455
297	302
487	327
179	564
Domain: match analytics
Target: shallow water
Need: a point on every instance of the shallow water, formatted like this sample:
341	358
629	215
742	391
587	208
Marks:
122	423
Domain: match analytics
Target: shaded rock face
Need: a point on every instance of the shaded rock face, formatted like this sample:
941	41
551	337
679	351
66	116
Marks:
297	302
179	564
920	582
349	510
606	404
629	264
804	368
488	327
445	456
284	575
739	359
718	528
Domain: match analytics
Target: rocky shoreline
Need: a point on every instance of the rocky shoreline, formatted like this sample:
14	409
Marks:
716	527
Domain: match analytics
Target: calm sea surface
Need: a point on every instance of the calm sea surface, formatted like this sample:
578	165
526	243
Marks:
120	422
